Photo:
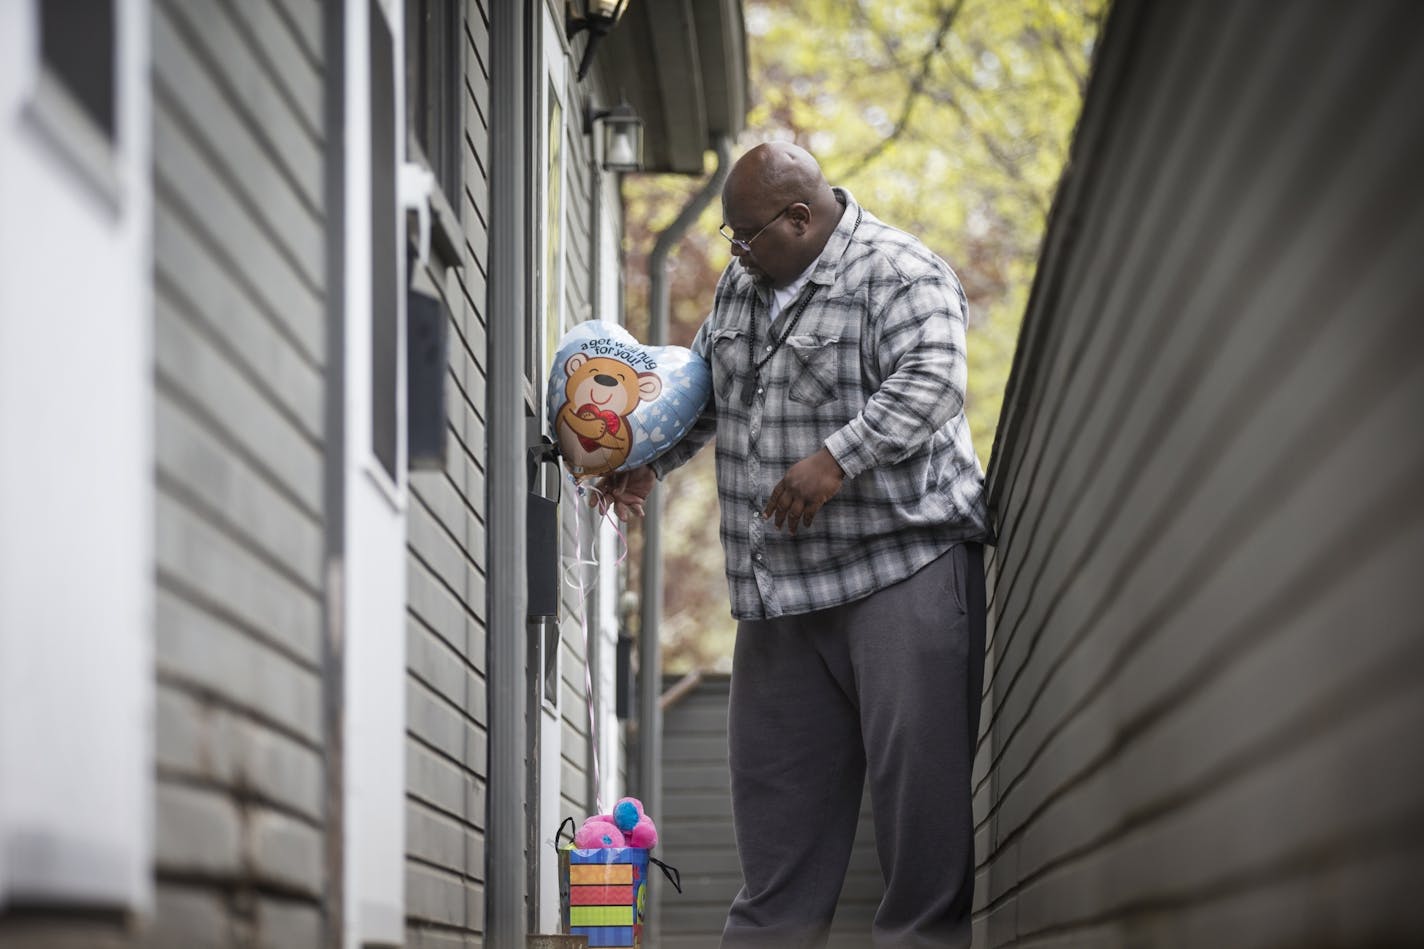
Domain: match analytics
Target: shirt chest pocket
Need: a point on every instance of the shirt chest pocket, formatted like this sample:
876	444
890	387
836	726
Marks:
815	368
728	354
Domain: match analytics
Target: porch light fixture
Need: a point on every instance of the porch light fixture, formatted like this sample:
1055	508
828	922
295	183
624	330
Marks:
622	136
599	18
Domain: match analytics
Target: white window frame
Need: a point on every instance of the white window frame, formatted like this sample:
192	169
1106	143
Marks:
373	591
76	486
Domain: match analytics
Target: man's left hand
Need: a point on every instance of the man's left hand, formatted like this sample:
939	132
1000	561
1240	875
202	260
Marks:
809	484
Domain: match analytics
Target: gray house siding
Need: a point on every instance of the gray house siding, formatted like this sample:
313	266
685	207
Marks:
239	300
260	420
1206	670
447	635
696	833
447	745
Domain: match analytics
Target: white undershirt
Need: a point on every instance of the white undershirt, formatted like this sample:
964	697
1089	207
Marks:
779	298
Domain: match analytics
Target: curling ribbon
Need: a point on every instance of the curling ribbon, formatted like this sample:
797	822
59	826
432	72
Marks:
576	563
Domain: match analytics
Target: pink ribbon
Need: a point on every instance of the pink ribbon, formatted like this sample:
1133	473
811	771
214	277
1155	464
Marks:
577	563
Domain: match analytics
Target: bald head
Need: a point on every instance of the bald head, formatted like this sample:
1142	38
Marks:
778	171
779	178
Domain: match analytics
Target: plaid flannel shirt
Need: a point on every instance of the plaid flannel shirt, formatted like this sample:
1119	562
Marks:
873	368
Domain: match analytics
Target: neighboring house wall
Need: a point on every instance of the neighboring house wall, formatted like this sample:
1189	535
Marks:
239	273
696	836
1208	673
695	829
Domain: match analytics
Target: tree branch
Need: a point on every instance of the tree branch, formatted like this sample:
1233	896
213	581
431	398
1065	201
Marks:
917	86
1068	62
1006	162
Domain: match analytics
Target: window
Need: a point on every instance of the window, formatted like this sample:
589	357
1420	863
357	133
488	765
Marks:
433	32
77	46
385	313
434	86
76	88
544	321
553	234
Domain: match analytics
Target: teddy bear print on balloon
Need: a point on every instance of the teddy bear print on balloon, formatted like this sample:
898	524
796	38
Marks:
614	404
600	394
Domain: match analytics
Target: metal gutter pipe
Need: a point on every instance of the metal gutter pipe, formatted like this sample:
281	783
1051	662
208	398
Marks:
650	721
505	857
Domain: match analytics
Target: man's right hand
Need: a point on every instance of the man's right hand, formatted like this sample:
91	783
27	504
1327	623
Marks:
624	491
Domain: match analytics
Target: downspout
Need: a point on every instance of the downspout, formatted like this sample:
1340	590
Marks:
650	721
506	481
333	664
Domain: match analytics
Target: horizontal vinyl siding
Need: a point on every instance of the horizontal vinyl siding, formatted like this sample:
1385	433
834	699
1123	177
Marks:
239	265
447	745
695	828
696	835
473	203
1205	663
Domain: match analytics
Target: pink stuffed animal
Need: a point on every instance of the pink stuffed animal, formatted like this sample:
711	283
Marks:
644	834
638	827
598	832
627	826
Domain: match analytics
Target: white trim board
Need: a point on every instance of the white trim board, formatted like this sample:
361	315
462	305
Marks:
76	485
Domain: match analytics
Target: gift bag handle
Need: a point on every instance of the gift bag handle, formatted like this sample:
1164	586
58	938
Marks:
569	821
671	873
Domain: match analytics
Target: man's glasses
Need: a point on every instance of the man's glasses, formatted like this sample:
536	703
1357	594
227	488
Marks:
745	246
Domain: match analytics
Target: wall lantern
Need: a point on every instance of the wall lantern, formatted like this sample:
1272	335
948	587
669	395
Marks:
622	136
599	18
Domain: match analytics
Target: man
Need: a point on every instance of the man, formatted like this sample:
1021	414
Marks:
852	521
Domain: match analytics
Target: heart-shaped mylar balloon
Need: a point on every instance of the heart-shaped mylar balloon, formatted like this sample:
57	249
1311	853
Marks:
615	404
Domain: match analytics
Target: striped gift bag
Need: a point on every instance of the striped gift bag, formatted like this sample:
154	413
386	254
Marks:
607	894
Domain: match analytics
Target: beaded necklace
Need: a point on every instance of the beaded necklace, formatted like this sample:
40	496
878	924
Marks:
802	301
807	292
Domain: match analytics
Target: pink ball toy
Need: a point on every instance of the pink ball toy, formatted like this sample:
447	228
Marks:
627	812
644	834
597	833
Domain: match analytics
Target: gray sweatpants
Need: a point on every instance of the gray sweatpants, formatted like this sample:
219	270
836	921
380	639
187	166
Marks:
891	683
